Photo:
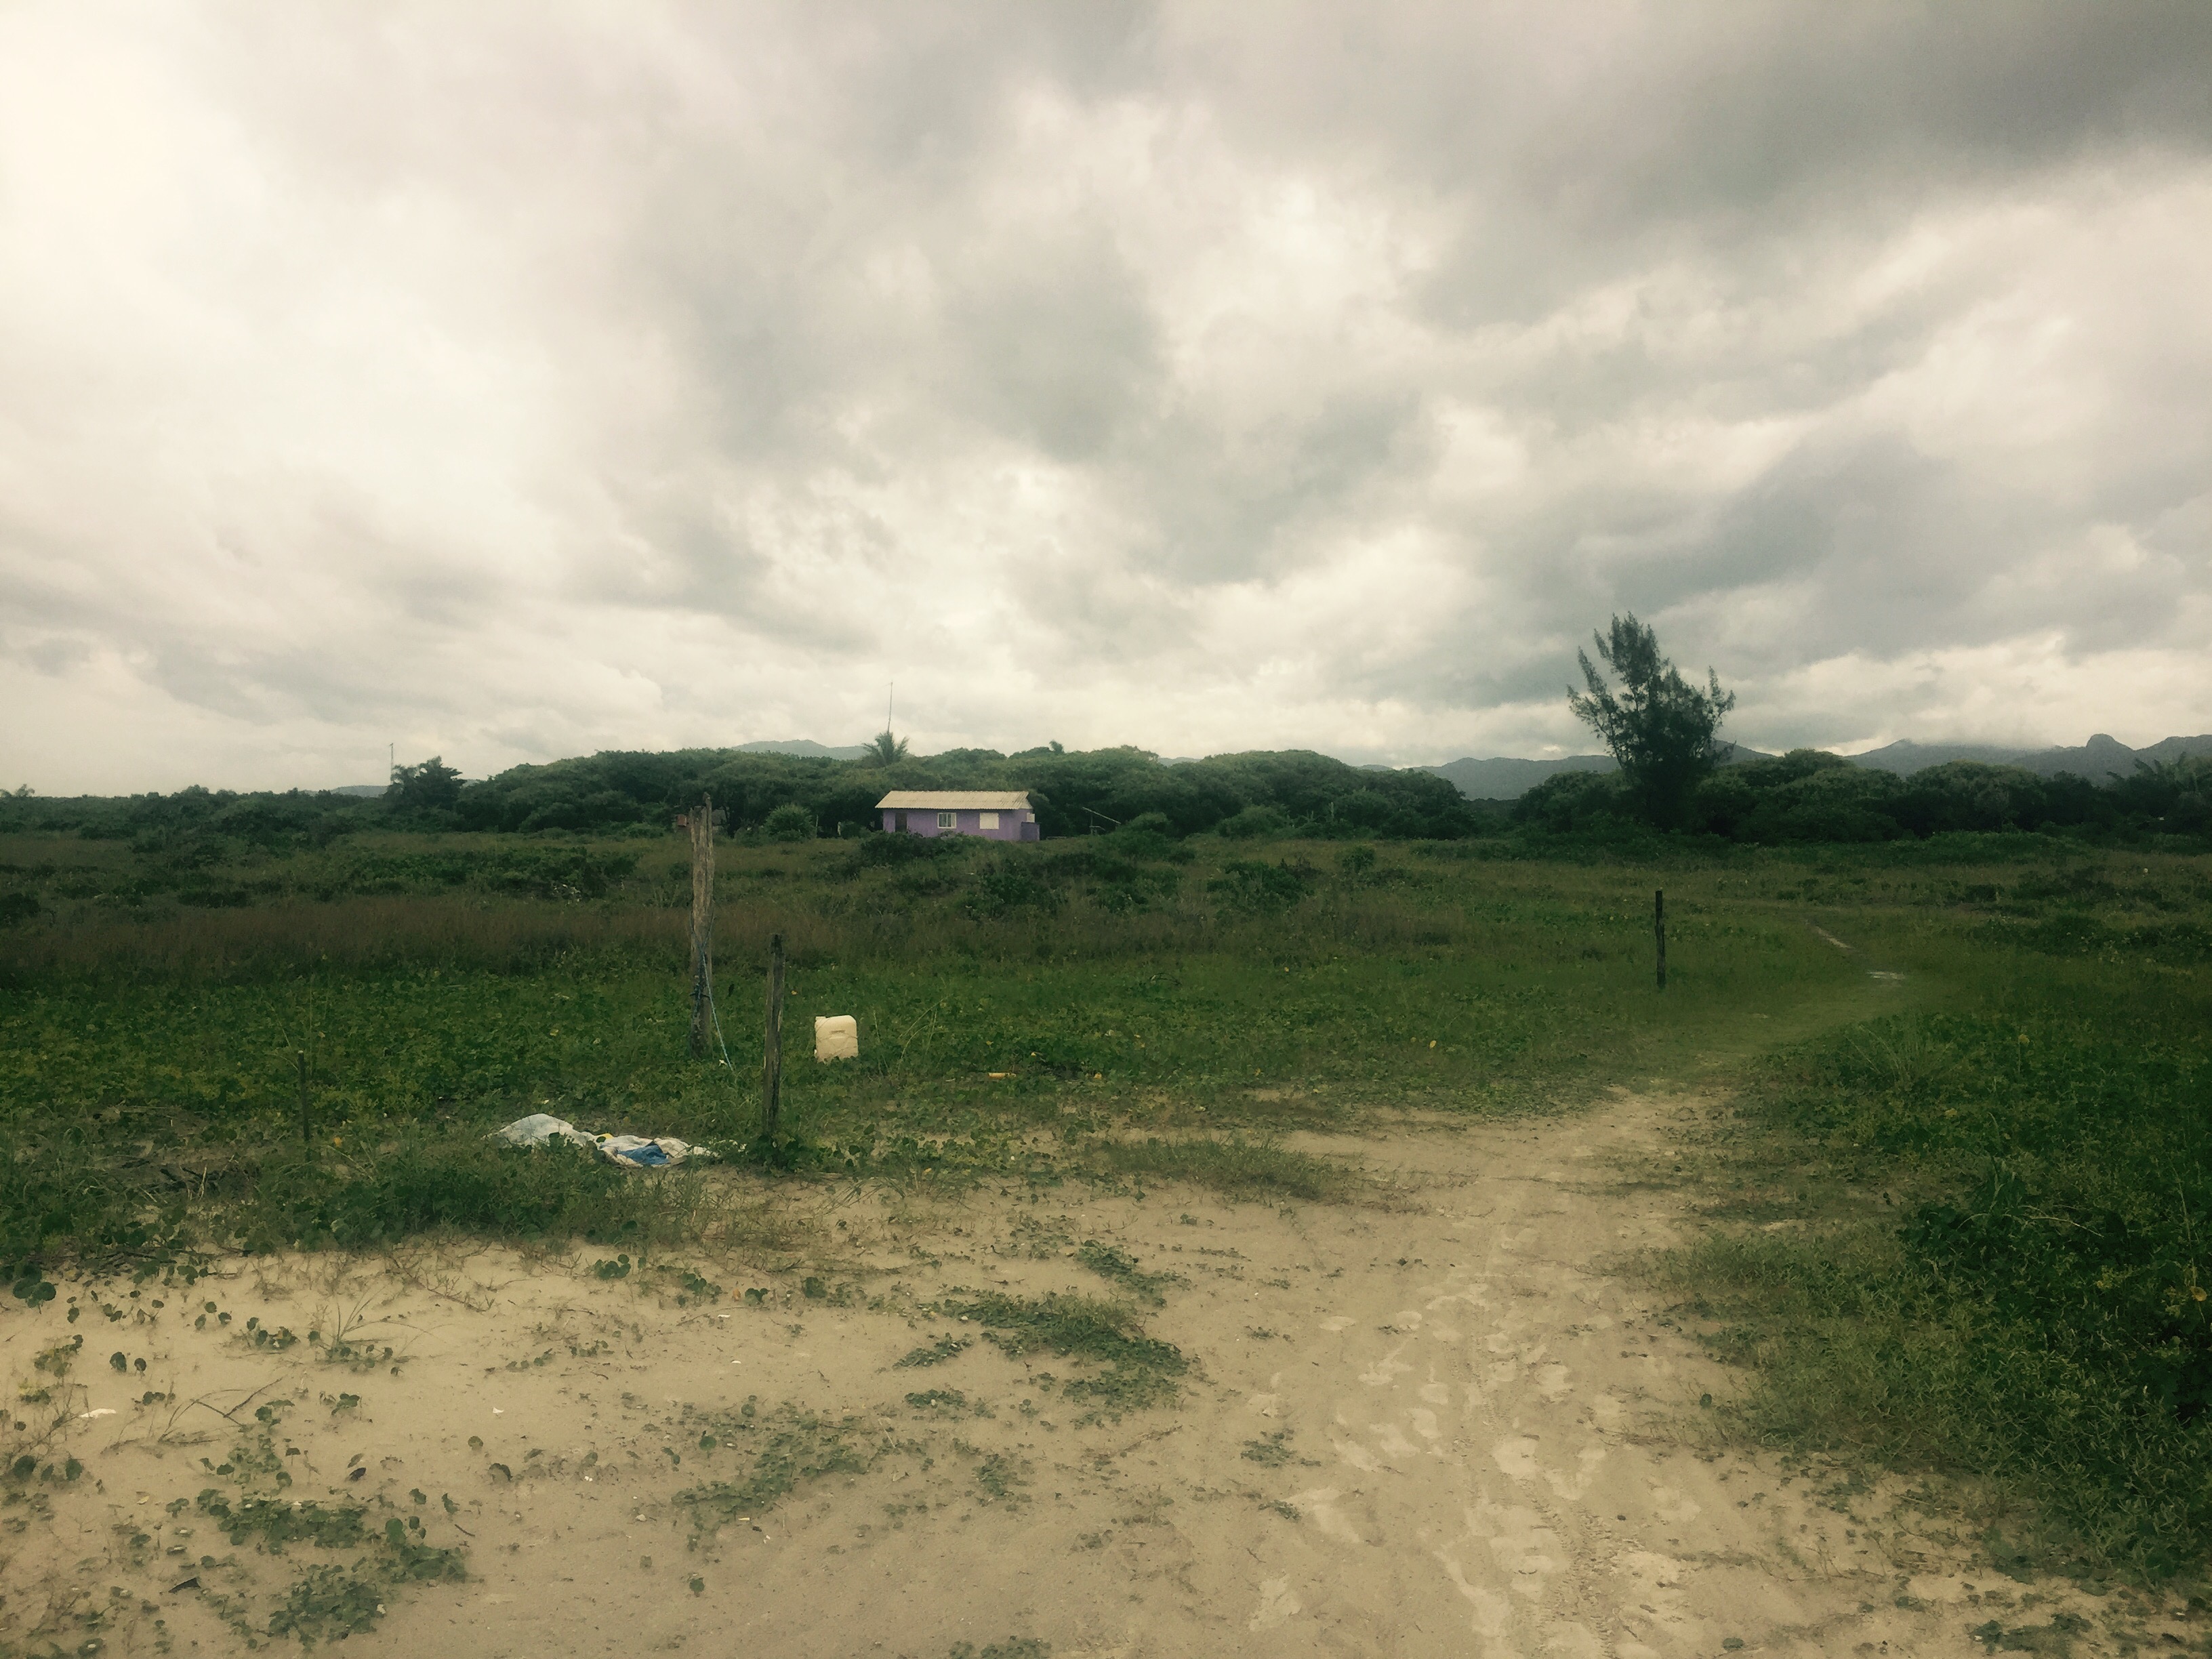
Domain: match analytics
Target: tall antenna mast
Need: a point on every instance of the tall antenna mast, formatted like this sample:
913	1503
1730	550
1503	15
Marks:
890	698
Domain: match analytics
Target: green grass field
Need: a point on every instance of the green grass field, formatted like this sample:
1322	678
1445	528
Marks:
1970	1237
1175	987
1968	1075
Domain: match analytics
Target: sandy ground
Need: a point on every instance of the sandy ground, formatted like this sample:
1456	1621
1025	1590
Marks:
1438	1425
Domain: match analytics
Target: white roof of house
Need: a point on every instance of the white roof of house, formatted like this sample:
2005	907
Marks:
956	800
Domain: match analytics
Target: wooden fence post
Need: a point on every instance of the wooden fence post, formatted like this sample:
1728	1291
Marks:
702	825
1659	930
772	1049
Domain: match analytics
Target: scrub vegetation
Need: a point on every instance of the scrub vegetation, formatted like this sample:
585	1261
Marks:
1100	1008
1970	1235
1959	1186
1674	778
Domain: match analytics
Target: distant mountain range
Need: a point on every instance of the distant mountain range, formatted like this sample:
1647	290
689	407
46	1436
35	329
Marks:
2094	760
1503	779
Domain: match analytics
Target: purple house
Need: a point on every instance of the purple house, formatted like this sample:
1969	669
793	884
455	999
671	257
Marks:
996	815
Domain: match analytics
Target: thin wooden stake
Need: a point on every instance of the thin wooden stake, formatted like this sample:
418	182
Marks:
307	1124
1659	930
702	825
772	1049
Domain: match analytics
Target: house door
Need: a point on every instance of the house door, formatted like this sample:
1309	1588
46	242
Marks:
898	821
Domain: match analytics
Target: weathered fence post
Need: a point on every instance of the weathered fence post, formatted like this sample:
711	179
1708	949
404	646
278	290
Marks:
701	826
1659	930
772	1049
306	1125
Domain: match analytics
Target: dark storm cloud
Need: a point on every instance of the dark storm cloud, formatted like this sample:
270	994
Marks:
529	379
1605	119
1056	348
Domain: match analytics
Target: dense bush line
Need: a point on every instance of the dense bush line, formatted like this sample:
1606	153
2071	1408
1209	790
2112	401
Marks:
1258	794
1074	793
1807	795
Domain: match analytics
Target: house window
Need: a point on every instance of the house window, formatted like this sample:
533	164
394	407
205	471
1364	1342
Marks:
990	820
948	820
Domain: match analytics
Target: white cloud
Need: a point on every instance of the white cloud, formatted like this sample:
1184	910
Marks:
518	381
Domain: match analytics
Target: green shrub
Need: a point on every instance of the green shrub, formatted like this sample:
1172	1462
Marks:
1006	887
790	821
450	1183
1256	823
897	846
1246	885
1570	801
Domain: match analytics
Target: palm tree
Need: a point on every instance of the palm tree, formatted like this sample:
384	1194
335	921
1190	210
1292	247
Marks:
889	749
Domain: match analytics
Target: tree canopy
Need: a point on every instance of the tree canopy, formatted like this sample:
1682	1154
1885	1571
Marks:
1660	729
430	786
1294	790
1804	796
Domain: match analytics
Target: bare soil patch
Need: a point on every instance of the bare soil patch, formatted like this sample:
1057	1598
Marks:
1444	1424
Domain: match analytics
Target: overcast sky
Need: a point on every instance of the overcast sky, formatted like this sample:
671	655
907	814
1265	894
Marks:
508	382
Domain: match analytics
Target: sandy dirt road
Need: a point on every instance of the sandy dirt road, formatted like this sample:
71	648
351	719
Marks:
1441	1424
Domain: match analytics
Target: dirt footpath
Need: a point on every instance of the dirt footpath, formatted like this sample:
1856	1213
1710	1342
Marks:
1438	1425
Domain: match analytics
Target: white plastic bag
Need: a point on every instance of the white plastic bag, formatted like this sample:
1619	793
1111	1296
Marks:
631	1152
538	1128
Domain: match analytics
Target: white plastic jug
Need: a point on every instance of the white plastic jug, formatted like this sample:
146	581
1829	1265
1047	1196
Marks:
836	1036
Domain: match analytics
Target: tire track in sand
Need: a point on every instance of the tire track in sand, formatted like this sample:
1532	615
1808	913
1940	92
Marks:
1498	1482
